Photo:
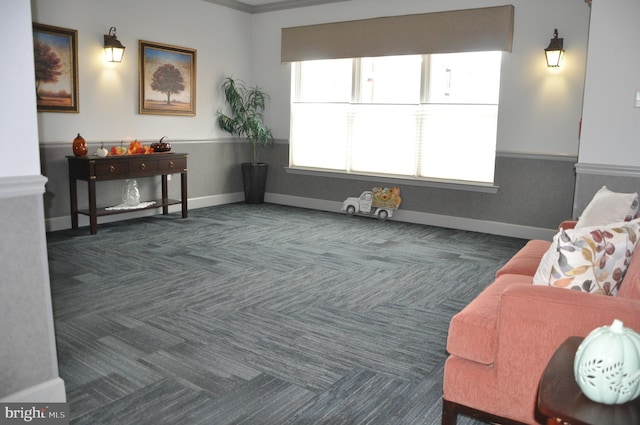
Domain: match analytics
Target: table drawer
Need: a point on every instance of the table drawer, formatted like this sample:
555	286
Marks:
143	166
115	168
173	165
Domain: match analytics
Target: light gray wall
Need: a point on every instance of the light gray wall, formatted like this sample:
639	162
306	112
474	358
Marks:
589	181
109	91
109	97
534	191
28	362
609	149
540	108
27	353
611	122
539	114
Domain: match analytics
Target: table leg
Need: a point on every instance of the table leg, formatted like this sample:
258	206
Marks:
165	194
93	213
183	190
73	198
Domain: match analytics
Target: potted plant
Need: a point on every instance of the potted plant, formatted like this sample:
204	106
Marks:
245	120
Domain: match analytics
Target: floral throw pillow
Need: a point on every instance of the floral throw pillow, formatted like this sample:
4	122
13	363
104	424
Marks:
590	259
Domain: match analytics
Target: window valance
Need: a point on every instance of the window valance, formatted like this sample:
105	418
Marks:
468	30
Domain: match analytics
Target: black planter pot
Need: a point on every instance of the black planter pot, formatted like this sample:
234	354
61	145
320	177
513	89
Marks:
254	177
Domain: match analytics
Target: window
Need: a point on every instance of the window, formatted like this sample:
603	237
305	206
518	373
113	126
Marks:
412	116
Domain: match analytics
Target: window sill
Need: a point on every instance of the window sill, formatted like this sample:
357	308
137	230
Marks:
441	184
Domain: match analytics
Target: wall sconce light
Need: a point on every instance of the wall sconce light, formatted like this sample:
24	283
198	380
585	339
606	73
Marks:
112	47
554	52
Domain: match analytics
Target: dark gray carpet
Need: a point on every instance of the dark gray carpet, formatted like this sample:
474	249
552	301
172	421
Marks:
261	314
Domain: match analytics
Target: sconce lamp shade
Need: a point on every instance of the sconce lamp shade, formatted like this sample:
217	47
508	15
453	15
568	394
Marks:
554	52
112	47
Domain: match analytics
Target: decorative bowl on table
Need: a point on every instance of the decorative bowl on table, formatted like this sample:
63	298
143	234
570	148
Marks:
161	145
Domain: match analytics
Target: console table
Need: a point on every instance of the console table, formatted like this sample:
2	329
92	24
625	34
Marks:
92	168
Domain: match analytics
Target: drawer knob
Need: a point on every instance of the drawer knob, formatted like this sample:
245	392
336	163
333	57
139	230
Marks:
143	166
112	169
172	165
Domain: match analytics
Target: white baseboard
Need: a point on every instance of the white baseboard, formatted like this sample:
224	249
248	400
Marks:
461	223
210	201
51	391
62	223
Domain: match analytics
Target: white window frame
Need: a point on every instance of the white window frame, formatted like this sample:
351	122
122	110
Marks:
483	186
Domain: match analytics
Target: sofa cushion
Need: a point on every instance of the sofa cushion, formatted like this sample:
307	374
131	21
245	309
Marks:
473	331
526	260
589	259
609	207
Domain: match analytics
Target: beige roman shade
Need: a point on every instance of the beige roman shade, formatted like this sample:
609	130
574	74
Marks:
468	30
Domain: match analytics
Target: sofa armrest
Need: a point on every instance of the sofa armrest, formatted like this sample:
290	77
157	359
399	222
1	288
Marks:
534	320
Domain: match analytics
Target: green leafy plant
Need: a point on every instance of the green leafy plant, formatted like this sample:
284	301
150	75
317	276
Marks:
245	119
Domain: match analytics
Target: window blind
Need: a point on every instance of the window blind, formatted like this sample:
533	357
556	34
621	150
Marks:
468	30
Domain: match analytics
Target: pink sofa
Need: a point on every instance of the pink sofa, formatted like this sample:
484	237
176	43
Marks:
500	343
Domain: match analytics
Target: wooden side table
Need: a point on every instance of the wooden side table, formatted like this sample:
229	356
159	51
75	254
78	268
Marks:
93	168
561	401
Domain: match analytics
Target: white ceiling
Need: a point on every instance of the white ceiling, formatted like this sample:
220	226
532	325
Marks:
261	6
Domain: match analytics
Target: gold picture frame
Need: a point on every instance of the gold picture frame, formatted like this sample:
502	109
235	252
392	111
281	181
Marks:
55	52
167	79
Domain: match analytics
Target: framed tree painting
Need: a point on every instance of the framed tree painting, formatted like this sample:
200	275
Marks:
167	77
55	53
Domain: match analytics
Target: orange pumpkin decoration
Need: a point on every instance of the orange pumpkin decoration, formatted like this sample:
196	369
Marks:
79	146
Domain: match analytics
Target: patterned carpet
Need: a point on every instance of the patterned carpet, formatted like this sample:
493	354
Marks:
261	314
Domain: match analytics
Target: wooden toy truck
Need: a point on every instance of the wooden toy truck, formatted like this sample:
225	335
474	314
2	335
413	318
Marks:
379	202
